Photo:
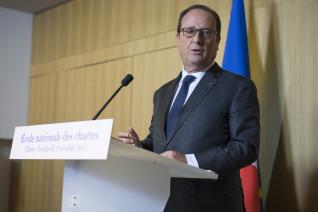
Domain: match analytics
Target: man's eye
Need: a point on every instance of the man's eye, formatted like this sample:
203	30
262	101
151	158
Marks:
190	31
206	32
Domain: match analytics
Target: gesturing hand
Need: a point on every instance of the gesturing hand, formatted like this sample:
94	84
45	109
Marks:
175	155
129	137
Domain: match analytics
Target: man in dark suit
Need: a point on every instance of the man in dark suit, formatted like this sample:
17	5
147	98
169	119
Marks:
207	117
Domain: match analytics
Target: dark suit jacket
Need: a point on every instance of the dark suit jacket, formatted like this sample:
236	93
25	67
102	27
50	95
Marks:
219	124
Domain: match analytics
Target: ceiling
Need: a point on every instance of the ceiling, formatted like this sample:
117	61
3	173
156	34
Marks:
31	6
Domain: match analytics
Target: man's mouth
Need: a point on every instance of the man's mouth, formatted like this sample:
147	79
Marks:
197	51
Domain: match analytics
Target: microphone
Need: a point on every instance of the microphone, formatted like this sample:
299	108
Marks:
128	78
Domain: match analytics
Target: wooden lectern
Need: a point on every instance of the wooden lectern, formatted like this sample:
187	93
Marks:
131	179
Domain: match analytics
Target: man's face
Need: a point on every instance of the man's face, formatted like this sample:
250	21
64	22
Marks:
199	51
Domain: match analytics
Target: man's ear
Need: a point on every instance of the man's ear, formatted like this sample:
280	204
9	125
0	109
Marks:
218	41
177	38
178	35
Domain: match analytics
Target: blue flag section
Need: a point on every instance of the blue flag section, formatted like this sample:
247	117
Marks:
235	57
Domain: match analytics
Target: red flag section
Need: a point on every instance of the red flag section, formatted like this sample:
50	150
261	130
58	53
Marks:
251	188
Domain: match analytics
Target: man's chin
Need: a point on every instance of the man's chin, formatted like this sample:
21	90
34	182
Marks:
197	66
198	63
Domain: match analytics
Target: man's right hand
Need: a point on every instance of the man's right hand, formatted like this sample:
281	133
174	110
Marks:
129	137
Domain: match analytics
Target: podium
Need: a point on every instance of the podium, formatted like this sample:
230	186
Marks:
131	179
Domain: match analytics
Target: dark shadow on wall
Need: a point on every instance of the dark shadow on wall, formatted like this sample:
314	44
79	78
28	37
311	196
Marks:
311	199
5	167
16	198
282	193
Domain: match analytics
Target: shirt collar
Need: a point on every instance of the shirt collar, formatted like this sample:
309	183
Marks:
198	74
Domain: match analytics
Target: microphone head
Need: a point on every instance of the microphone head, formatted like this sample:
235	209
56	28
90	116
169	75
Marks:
128	78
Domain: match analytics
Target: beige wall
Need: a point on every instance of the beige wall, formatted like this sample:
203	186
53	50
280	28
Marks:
82	49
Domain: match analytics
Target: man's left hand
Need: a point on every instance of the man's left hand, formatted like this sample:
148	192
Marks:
175	155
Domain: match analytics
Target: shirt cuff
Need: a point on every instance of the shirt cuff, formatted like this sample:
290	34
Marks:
191	160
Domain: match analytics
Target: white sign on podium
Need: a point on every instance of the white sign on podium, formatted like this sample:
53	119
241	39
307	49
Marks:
72	140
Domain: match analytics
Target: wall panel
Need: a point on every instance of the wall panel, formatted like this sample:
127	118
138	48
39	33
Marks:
42	99
36	186
80	26
97	56
151	72
81	92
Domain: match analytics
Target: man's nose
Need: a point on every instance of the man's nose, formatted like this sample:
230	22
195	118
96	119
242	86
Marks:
198	37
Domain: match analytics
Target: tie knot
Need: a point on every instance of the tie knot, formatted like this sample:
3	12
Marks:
188	79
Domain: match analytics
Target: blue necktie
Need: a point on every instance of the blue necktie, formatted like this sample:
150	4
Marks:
178	104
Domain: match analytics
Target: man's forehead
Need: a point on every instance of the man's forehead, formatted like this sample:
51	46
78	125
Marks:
195	15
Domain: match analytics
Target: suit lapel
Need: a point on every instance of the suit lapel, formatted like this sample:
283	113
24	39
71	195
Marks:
166	98
206	84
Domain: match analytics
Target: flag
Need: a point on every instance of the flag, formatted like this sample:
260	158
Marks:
236	60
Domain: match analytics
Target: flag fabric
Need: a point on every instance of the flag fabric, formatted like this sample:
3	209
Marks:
236	60
251	188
